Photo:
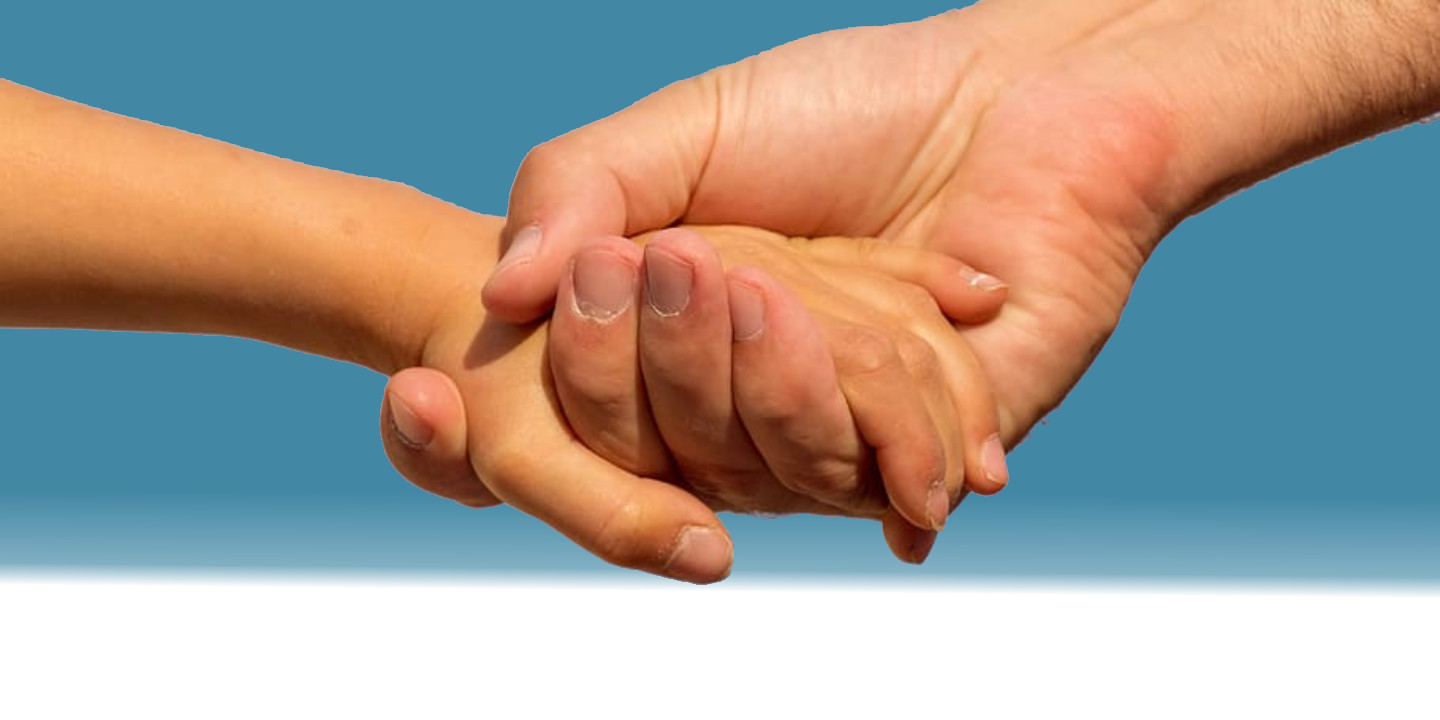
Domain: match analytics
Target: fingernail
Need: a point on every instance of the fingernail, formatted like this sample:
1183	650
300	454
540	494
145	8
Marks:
747	312
409	430
702	555
523	247
667	283
937	506
981	281
604	285
921	545
993	456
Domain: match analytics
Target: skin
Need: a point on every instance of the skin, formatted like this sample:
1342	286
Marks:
115	223
1050	143
528	457
781	419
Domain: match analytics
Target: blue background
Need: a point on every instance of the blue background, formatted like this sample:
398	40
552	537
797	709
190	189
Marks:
1263	412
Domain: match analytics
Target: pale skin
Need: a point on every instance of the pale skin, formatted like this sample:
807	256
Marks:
1048	142
777	414
116	223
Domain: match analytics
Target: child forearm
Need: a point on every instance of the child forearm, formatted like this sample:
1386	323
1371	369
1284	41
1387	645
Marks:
113	223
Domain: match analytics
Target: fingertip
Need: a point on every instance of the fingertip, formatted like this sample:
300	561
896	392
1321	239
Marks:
562	195
758	302
747	310
424	403
480	502
909	544
517	289
965	294
409	429
994	472
984	488
423	430
983	485
678	266
914	478
630	521
702	555
603	279
514	299
982	282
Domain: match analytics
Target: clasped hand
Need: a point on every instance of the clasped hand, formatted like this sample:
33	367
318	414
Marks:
719	368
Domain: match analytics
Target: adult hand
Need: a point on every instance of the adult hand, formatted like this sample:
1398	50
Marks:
778	415
475	417
1051	143
924	410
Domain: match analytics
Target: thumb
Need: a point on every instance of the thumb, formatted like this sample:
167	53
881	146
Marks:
629	173
423	428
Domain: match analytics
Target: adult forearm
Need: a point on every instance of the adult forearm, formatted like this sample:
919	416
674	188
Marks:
113	223
1262	86
1218	95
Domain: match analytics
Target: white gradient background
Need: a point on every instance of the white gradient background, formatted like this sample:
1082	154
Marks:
1236	511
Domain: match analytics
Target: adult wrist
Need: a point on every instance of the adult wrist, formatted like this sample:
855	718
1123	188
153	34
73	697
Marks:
1243	90
1263	86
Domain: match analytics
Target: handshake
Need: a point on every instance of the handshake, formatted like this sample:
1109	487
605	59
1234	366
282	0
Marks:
839	277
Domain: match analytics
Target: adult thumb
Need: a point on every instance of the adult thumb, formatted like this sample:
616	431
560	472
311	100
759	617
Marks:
629	173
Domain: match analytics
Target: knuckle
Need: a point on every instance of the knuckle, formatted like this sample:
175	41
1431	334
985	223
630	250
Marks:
918	356
603	393
868	251
620	539
621	441
847	485
914	301
503	464
542	158
680	366
777	404
722	486
593	397
735	483
819	478
619	448
865	351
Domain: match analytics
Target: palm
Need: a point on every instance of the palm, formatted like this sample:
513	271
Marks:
1034	154
1035	174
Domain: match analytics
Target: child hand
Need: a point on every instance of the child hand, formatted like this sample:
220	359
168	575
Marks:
783	418
639	522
